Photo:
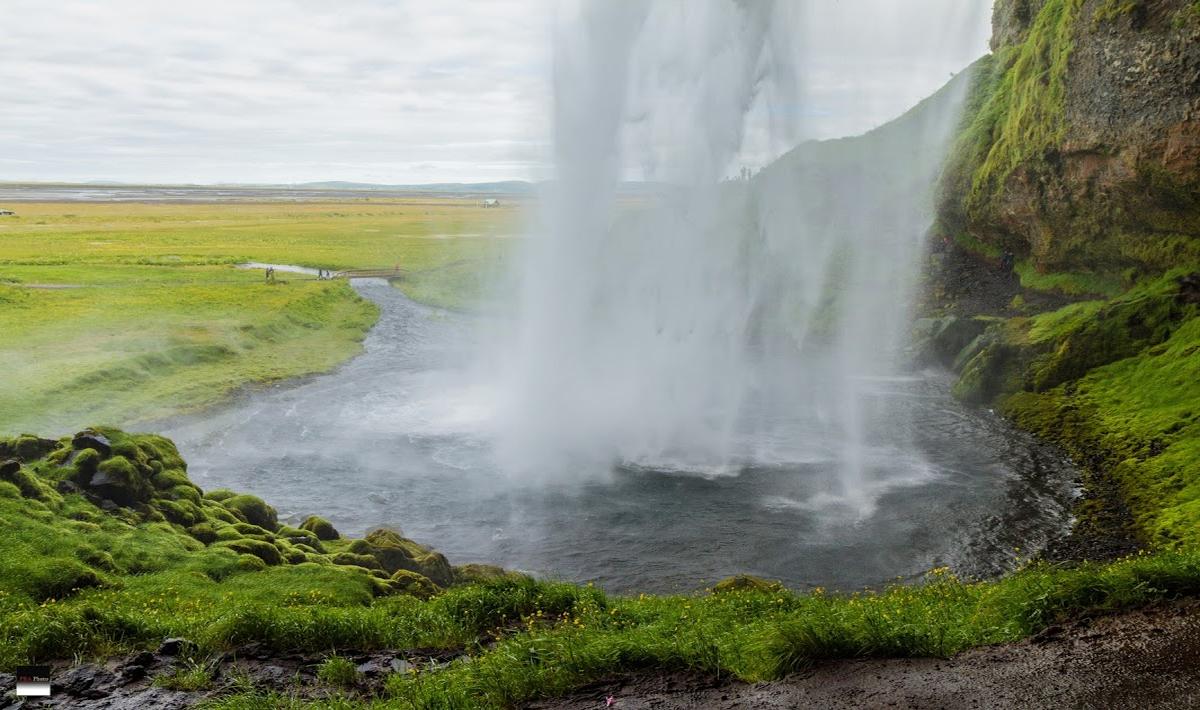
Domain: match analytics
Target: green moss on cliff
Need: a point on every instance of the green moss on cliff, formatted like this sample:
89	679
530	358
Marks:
1113	9
1139	419
1117	384
1023	117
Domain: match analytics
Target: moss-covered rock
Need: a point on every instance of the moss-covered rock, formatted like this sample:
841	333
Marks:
253	510
940	340
745	583
227	532
164	479
250	563
355	560
86	462
1039	353
27	482
204	532
297	536
265	551
27	448
290	554
396	552
119	480
320	527
182	512
217	512
413	584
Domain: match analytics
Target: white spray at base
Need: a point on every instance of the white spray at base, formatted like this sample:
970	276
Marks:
713	324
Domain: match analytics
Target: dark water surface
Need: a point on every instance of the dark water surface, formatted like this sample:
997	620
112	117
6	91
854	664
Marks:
369	445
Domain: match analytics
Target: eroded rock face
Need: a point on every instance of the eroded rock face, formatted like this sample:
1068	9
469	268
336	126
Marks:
1120	185
1011	20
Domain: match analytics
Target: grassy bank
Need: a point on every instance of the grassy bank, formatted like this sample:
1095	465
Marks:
129	312
1115	382
81	581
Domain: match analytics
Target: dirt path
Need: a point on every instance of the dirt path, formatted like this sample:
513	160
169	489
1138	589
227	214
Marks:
1145	659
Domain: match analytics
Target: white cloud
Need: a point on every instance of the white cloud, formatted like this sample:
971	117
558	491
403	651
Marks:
378	90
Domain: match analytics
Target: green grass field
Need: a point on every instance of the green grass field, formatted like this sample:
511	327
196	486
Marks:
125	313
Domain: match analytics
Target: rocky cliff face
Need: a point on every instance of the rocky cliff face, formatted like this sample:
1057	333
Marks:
1082	149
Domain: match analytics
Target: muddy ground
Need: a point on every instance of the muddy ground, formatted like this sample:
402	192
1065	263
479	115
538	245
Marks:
1145	659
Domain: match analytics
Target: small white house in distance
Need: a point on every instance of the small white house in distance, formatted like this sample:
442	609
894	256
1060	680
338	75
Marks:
491	202
7	213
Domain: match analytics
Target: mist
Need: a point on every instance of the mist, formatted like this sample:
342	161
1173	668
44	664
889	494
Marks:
721	323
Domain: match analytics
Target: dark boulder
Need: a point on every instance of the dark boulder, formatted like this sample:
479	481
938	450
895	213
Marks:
9	468
28	448
118	480
92	440
176	647
938	341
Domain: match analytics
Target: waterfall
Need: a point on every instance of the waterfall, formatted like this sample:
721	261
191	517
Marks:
713	320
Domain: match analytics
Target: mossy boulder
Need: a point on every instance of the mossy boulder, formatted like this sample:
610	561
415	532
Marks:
168	478
204	532
745	583
253	510
413	584
354	560
27	448
217	512
320	527
120	481
264	551
86	462
220	494
227	532
26	481
290	554
250	563
939	340
180	512
297	536
396	552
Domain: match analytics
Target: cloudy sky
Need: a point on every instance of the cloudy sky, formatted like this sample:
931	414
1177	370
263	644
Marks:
393	91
